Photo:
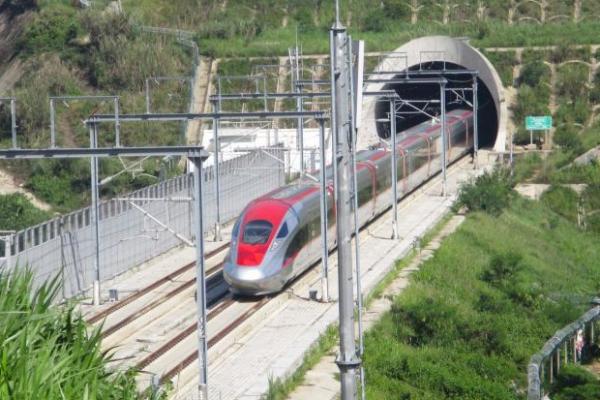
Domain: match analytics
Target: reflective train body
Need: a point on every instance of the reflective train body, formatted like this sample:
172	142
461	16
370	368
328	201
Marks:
277	236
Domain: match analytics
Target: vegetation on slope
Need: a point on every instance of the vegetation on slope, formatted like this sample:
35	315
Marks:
71	52
17	212
489	298
576	383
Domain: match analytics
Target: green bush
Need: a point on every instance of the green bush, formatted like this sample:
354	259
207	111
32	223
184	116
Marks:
531	101
567	137
17	212
575	383
533	74
490	192
503	269
47	352
562	200
52	29
572	82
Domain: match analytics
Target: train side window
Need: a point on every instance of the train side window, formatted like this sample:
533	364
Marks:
298	242
257	232
236	229
283	231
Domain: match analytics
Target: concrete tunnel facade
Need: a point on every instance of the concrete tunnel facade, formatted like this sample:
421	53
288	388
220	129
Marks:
435	52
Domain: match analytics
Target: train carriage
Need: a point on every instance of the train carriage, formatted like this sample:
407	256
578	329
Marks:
277	236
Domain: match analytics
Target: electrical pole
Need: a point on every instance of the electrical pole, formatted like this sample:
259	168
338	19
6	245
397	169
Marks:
200	281
348	360
95	214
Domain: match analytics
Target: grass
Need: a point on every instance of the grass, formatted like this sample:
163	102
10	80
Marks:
474	313
17	212
378	290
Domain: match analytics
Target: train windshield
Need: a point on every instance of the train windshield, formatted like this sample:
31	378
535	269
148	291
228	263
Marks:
257	232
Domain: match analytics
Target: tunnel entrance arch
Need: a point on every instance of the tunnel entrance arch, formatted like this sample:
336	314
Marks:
435	53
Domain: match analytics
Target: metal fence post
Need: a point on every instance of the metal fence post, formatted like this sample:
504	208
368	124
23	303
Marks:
551	370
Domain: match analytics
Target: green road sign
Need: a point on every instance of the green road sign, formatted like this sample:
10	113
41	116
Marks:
538	123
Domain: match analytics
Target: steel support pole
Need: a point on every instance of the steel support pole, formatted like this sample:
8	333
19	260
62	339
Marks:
216	123
52	125
359	296
512	141
95	215
117	123
299	108
324	222
444	134
13	122
333	122
348	361
394	160
475	123
200	282
147	97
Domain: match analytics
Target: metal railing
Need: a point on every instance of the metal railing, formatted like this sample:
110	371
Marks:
138	226
547	362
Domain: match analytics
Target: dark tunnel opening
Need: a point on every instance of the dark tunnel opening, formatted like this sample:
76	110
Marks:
487	114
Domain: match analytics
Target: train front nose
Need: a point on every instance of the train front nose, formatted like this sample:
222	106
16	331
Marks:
250	281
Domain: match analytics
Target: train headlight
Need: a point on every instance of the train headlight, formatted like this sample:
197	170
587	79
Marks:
275	244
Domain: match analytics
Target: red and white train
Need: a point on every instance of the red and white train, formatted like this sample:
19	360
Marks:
276	238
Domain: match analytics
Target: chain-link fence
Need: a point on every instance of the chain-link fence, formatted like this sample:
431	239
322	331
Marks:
139	226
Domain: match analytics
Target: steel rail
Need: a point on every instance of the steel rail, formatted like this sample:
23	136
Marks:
215	279
162	350
156	284
214	340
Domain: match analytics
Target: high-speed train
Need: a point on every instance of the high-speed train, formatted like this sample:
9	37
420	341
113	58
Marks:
277	236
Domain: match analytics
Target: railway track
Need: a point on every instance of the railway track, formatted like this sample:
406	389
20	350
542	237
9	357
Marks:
167	358
214	277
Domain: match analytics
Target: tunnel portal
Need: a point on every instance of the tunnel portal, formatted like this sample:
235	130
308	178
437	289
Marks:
433	54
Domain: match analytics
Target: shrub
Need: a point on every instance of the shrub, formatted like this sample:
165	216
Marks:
567	137
51	30
17	212
490	192
503	269
576	383
562	200
47	352
572	80
533	74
